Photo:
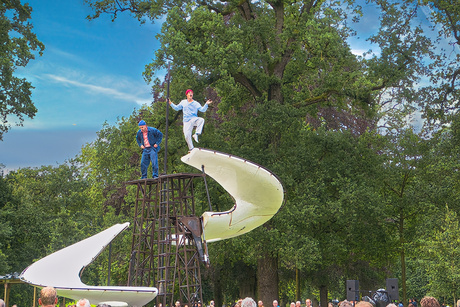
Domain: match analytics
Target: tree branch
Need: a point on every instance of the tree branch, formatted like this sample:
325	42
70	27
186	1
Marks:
247	83
244	7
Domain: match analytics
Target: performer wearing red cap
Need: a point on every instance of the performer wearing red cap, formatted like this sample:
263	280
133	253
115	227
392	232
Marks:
190	109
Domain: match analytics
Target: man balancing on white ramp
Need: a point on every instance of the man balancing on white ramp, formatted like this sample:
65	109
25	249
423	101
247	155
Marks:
190	109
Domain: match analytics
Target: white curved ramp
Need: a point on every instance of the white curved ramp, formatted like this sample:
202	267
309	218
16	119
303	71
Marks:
61	270
258	193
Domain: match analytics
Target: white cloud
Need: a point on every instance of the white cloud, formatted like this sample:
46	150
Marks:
364	53
98	89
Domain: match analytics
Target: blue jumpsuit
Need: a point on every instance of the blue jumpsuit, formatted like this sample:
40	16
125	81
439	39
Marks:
150	154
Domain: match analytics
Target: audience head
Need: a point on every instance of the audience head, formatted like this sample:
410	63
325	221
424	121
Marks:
345	303
429	301
83	303
2	303
248	302
363	304
48	297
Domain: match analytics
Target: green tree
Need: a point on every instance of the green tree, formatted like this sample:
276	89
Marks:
403	188
47	210
440	98
441	254
336	206
6	199
261	51
52	212
17	44
269	65
438	230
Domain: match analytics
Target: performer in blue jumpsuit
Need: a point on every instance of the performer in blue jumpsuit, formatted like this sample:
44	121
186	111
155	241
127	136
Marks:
149	139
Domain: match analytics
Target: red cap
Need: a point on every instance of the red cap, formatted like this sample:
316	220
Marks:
187	91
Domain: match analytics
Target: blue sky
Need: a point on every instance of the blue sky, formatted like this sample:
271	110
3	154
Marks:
90	73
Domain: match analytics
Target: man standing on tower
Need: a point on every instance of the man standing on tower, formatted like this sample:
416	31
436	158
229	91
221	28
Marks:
190	109
149	139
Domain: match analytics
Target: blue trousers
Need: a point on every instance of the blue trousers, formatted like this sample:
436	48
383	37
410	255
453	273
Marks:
149	155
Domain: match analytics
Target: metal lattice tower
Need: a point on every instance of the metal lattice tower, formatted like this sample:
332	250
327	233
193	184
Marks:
166	243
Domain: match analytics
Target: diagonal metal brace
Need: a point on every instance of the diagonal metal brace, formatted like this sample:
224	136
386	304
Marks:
193	225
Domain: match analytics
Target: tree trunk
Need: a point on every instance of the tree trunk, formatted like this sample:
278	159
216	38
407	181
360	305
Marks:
248	283
403	257
217	286
274	93
297	285
323	296
267	279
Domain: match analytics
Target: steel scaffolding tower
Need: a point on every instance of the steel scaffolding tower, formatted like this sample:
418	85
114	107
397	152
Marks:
166	243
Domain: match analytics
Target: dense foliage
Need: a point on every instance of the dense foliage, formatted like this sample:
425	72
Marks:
17	46
367	197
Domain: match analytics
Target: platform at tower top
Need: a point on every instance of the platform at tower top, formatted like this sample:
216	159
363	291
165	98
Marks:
165	177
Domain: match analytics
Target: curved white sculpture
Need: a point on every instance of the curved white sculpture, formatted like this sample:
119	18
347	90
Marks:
258	196
61	270
257	192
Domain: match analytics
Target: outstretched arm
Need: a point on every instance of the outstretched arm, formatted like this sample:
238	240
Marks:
175	107
205	107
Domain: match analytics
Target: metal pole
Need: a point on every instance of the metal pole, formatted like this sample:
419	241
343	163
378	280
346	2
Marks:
206	185
110	264
168	77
